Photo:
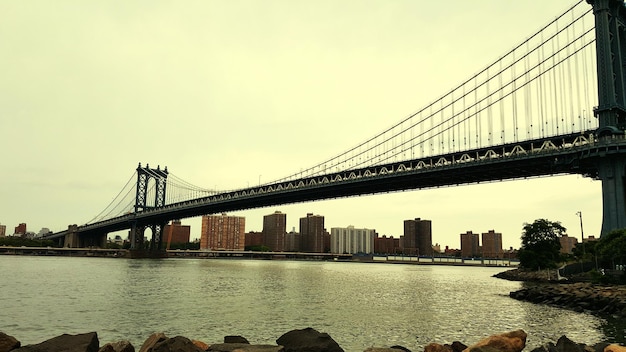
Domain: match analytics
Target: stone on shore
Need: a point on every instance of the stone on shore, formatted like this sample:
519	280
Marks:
385	349
87	342
8	342
614	348
176	344
244	347
435	347
151	341
512	341
308	340
119	346
201	344
608	300
235	339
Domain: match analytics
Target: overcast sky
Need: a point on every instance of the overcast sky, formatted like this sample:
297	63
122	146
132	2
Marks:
230	93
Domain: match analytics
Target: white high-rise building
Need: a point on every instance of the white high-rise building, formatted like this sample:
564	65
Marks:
351	240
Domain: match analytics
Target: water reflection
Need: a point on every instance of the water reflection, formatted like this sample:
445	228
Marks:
358	304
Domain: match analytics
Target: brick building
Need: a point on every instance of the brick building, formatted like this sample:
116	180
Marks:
386	245
492	244
274	230
176	232
417	239
223	232
469	245
312	233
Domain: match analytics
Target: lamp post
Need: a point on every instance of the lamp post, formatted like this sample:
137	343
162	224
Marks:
582	234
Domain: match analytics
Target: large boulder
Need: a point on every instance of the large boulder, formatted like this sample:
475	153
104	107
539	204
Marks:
614	348
176	344
435	347
235	339
201	344
512	341
244	347
151	341
8	343
119	346
66	343
564	344
308	340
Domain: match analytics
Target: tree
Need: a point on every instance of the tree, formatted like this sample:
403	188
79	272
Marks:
612	247
540	244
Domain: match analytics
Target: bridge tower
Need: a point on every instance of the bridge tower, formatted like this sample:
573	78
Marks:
610	23
144	177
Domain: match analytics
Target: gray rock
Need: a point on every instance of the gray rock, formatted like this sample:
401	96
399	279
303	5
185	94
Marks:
151	341
119	346
308	340
235	339
566	345
8	343
176	344
244	347
66	343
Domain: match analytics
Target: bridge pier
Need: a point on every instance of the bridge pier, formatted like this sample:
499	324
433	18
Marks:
612	172
610	24
71	239
138	247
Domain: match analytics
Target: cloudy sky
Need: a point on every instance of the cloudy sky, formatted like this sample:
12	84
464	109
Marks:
230	93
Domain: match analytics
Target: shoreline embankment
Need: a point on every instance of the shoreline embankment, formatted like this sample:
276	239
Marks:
546	287
304	340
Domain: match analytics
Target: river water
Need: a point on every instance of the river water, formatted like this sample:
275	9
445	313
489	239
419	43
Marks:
359	304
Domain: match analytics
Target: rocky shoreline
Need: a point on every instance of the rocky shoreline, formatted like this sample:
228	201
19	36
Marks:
545	288
305	340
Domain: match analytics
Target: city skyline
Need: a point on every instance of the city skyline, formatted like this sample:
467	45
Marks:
230	95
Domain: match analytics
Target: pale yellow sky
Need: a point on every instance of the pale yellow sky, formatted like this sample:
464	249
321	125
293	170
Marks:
225	93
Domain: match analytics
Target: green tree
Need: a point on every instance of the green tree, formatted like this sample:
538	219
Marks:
540	244
612	247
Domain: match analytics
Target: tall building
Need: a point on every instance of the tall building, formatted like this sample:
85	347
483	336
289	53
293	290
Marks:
417	237
312	233
179	233
274	229
223	232
492	244
351	240
469	245
20	229
3	230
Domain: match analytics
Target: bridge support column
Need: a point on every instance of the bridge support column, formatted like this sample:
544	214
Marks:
71	239
136	237
612	172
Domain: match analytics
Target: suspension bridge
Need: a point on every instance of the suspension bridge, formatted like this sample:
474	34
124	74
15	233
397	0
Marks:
554	104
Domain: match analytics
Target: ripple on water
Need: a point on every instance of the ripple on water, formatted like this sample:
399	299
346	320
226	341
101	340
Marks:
358	304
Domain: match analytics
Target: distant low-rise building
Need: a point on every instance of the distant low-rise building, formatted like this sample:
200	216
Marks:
20	229
292	241
176	232
386	245
567	244
253	239
44	231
